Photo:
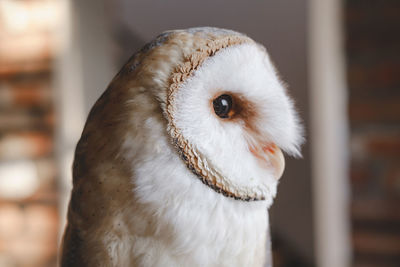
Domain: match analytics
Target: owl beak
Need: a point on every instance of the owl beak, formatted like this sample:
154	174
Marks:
270	156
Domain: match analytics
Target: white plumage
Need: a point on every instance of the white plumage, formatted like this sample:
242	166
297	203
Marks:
162	177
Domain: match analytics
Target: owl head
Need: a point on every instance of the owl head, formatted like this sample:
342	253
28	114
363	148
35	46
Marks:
229	116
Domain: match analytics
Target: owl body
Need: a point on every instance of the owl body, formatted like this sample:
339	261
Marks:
160	178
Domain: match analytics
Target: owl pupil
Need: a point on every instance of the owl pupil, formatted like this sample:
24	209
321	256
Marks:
223	106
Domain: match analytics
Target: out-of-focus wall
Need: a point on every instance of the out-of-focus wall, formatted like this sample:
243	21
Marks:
82	70
28	171
373	69
36	111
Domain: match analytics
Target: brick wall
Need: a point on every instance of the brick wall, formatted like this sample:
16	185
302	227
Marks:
28	189
373	69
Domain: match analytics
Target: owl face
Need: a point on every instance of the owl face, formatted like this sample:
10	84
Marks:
229	117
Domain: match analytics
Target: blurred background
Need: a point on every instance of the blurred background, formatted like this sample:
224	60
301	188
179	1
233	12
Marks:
338	206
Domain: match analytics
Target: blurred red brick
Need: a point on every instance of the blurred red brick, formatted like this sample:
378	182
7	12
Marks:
29	222
11	222
374	77
368	263
376	243
373	71
28	44
47	190
25	145
375	209
30	47
375	144
392	179
370	26
29	234
14	69
18	120
29	93
361	175
385	145
375	110
356	16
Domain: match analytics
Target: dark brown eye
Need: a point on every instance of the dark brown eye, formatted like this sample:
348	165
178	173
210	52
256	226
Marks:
223	106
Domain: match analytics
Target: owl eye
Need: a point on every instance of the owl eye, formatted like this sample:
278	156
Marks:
223	106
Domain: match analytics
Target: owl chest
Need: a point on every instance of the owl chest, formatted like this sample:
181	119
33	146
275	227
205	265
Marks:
181	222
203	240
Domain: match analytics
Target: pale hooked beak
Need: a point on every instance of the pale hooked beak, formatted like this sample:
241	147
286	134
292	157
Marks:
270	156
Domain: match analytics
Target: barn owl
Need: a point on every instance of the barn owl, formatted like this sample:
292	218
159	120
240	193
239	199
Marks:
180	157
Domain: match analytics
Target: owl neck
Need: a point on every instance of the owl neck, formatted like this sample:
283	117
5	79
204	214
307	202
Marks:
201	226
